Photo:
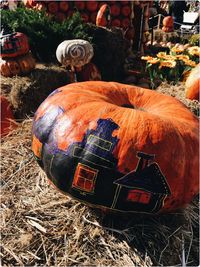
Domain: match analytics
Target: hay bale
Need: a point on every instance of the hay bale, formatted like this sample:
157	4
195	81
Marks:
178	91
40	226
28	92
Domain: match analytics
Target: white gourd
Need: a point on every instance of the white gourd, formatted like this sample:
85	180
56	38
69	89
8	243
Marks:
74	53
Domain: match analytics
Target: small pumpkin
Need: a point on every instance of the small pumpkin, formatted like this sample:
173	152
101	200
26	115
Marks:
192	84
7	119
168	22
53	7
117	147
116	23
103	16
167	29
13	44
29	3
126	11
80	5
17	66
91	6
63	6
125	23
114	10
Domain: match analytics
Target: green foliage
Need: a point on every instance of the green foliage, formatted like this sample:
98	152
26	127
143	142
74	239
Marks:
44	33
194	40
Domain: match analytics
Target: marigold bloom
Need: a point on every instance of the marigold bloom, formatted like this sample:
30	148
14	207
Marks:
147	58
167	64
177	50
190	63
194	50
182	57
153	60
161	55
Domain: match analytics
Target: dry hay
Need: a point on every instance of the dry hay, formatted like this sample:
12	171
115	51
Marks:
178	91
26	93
40	226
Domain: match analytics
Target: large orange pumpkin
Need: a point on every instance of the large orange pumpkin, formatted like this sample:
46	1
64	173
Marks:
118	147
192	84
7	119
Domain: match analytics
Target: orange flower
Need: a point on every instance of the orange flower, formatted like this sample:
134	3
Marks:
167	64
163	55
182	57
153	60
190	63
177	49
147	58
194	50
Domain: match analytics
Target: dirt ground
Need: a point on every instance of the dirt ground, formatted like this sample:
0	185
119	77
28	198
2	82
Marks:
40	226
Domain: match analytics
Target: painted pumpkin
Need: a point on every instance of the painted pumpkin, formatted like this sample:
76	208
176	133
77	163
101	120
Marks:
118	147
74	53
17	66
192	85
168	22
103	16
13	44
7	119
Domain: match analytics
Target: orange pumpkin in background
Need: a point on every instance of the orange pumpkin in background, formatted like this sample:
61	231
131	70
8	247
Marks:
13	44
29	3
118	147
116	23
168	22
63	6
80	5
103	16
126	11
192	84
17	66
53	7
91	5
114	10
167	29
7	123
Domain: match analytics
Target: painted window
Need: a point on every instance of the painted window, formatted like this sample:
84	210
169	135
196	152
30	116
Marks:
139	196
85	178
